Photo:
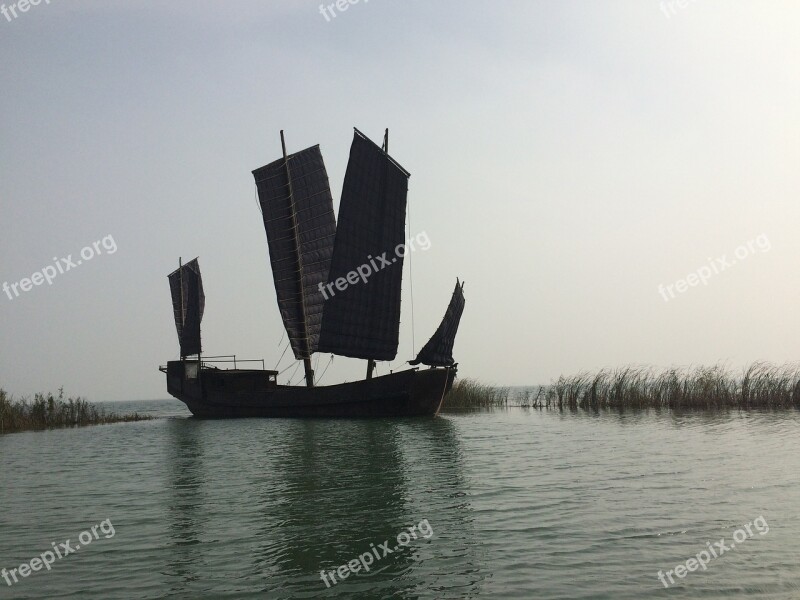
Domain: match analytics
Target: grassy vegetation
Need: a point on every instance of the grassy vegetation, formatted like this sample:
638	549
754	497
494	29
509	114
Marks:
468	393
760	386
51	412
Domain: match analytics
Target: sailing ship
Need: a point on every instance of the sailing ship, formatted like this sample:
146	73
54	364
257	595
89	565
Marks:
310	253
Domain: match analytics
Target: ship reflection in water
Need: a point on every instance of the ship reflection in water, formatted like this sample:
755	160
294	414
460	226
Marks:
289	499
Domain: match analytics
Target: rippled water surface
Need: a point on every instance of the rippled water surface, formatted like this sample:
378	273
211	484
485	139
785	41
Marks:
522	504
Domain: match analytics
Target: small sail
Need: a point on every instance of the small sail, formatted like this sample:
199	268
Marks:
361	318
438	352
188	304
297	207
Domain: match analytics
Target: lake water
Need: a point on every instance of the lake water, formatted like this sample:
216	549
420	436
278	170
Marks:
514	503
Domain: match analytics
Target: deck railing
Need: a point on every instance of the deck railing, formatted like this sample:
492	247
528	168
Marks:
231	358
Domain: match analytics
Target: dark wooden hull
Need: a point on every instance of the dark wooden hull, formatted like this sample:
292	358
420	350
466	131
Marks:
221	394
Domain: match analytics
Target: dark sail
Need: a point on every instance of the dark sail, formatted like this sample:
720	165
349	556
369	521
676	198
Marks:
438	352
362	319
295	197
188	304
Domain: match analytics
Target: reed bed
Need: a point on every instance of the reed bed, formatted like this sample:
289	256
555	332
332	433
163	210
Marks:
760	386
469	393
52	412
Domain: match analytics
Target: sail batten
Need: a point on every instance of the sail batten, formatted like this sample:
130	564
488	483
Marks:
297	210
363	320
438	352
188	305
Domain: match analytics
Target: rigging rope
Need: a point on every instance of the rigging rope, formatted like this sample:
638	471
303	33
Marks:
287	368
280	360
257	201
325	371
297	366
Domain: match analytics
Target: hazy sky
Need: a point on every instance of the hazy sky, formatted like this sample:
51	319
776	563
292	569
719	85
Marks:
566	159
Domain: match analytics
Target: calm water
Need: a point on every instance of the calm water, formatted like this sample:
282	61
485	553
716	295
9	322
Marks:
521	503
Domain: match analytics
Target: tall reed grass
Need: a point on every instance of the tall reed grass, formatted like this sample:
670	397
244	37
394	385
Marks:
51	412
468	393
760	386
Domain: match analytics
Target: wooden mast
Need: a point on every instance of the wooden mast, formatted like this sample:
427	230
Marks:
306	360
371	362
199	342
183	314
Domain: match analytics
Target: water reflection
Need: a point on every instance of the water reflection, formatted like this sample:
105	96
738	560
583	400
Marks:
341	488
186	484
523	504
453	565
314	495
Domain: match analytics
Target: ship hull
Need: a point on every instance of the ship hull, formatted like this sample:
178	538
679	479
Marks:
230	394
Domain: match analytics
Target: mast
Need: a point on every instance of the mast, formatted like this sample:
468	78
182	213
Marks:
371	362
306	360
183	300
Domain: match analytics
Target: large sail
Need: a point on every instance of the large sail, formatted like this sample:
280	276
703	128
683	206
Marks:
438	352
362	313
298	216
188	304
